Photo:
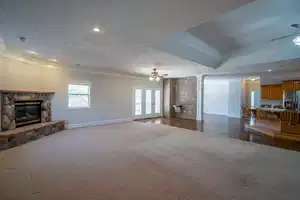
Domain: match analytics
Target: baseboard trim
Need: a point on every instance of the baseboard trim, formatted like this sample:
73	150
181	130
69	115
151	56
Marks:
223	114
95	123
141	118
212	113
234	116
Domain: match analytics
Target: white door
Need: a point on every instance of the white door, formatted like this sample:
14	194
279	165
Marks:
147	103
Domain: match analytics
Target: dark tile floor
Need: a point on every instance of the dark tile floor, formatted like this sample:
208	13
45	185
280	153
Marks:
225	126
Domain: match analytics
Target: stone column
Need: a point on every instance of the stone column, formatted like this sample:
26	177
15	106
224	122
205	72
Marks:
200	97
8	112
169	94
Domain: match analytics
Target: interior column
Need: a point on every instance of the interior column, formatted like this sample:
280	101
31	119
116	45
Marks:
200	97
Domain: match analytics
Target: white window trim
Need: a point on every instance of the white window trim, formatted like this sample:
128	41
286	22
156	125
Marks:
89	94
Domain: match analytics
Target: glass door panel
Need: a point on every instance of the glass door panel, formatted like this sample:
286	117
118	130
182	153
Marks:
157	102
138	101
148	102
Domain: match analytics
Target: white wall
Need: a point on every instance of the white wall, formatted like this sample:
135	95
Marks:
235	98
111	96
216	93
223	96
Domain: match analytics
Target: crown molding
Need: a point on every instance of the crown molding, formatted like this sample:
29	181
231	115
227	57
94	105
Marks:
81	69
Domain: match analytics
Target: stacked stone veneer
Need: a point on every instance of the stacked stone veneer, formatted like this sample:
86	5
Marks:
186	95
10	136
8	107
22	135
182	91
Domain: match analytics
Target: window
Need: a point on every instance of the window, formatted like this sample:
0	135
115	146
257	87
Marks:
79	96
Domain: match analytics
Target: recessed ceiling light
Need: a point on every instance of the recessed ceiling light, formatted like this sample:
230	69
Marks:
297	41
53	60
33	52
269	70
98	30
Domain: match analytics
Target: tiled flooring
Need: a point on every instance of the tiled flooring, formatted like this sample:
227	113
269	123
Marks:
229	127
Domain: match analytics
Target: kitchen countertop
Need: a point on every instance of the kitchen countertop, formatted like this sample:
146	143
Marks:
273	109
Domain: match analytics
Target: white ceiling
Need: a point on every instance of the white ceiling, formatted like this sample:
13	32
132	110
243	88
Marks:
242	37
181	38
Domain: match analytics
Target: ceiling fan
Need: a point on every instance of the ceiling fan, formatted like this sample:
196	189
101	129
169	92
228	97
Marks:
296	40
155	76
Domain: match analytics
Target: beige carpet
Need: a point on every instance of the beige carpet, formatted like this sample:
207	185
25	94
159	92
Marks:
138	161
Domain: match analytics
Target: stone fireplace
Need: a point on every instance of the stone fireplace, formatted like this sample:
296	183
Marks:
24	108
26	116
27	112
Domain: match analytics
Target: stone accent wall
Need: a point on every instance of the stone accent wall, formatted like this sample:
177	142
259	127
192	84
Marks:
186	95
22	135
181	91
8	107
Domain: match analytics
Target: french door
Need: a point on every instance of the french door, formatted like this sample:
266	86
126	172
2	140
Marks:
147	102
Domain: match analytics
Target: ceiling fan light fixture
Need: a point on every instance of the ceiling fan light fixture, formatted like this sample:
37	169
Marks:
155	76
297	40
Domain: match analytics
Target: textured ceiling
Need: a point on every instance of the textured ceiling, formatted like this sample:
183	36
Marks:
180	38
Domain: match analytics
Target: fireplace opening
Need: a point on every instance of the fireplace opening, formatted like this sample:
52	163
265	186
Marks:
27	112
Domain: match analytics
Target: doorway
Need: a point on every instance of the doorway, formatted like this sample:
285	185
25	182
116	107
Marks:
255	98
147	103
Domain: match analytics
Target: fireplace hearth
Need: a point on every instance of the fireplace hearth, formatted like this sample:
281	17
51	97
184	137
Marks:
27	112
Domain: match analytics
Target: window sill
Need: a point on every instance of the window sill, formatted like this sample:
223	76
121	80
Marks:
78	108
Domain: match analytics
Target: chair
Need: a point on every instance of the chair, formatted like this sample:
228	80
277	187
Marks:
246	111
289	122
260	114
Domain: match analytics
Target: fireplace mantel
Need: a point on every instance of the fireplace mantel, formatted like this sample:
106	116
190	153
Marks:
25	91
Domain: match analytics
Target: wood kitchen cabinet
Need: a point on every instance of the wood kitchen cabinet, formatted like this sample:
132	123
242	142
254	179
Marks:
271	92
297	85
264	92
276	92
288	86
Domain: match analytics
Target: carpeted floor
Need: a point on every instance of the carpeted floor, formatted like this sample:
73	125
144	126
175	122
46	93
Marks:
138	161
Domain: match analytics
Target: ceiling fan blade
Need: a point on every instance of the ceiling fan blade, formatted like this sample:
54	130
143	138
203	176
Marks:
286	36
